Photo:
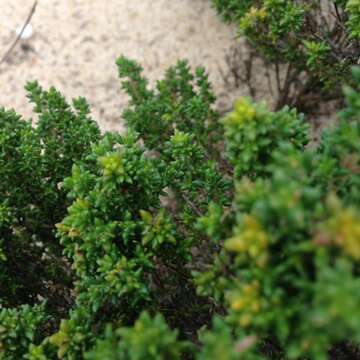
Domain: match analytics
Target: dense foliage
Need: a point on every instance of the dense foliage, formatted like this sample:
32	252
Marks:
189	236
311	44
33	163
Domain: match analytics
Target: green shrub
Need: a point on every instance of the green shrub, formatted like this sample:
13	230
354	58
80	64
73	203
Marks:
33	162
253	133
147	339
19	328
318	40
291	260
187	237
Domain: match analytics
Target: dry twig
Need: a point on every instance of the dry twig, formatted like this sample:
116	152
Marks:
11	48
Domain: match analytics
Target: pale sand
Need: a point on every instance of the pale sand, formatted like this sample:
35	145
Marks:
75	44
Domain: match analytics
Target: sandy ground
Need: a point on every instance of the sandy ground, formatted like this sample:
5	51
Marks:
75	44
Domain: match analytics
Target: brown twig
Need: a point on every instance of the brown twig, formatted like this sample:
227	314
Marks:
338	14
191	205
277	76
11	48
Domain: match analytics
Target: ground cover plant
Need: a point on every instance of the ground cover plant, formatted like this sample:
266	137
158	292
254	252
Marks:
191	236
309	45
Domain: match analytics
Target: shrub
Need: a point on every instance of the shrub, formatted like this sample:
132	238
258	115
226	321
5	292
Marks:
317	41
292	252
33	162
147	339
187	237
19	328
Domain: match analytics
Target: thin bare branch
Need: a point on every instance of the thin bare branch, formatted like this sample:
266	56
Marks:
27	21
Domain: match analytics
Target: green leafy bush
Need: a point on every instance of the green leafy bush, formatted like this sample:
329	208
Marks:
187	237
253	133
318	41
19	328
33	162
147	339
292	254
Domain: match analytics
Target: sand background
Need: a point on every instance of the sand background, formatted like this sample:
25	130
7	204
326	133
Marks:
75	43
